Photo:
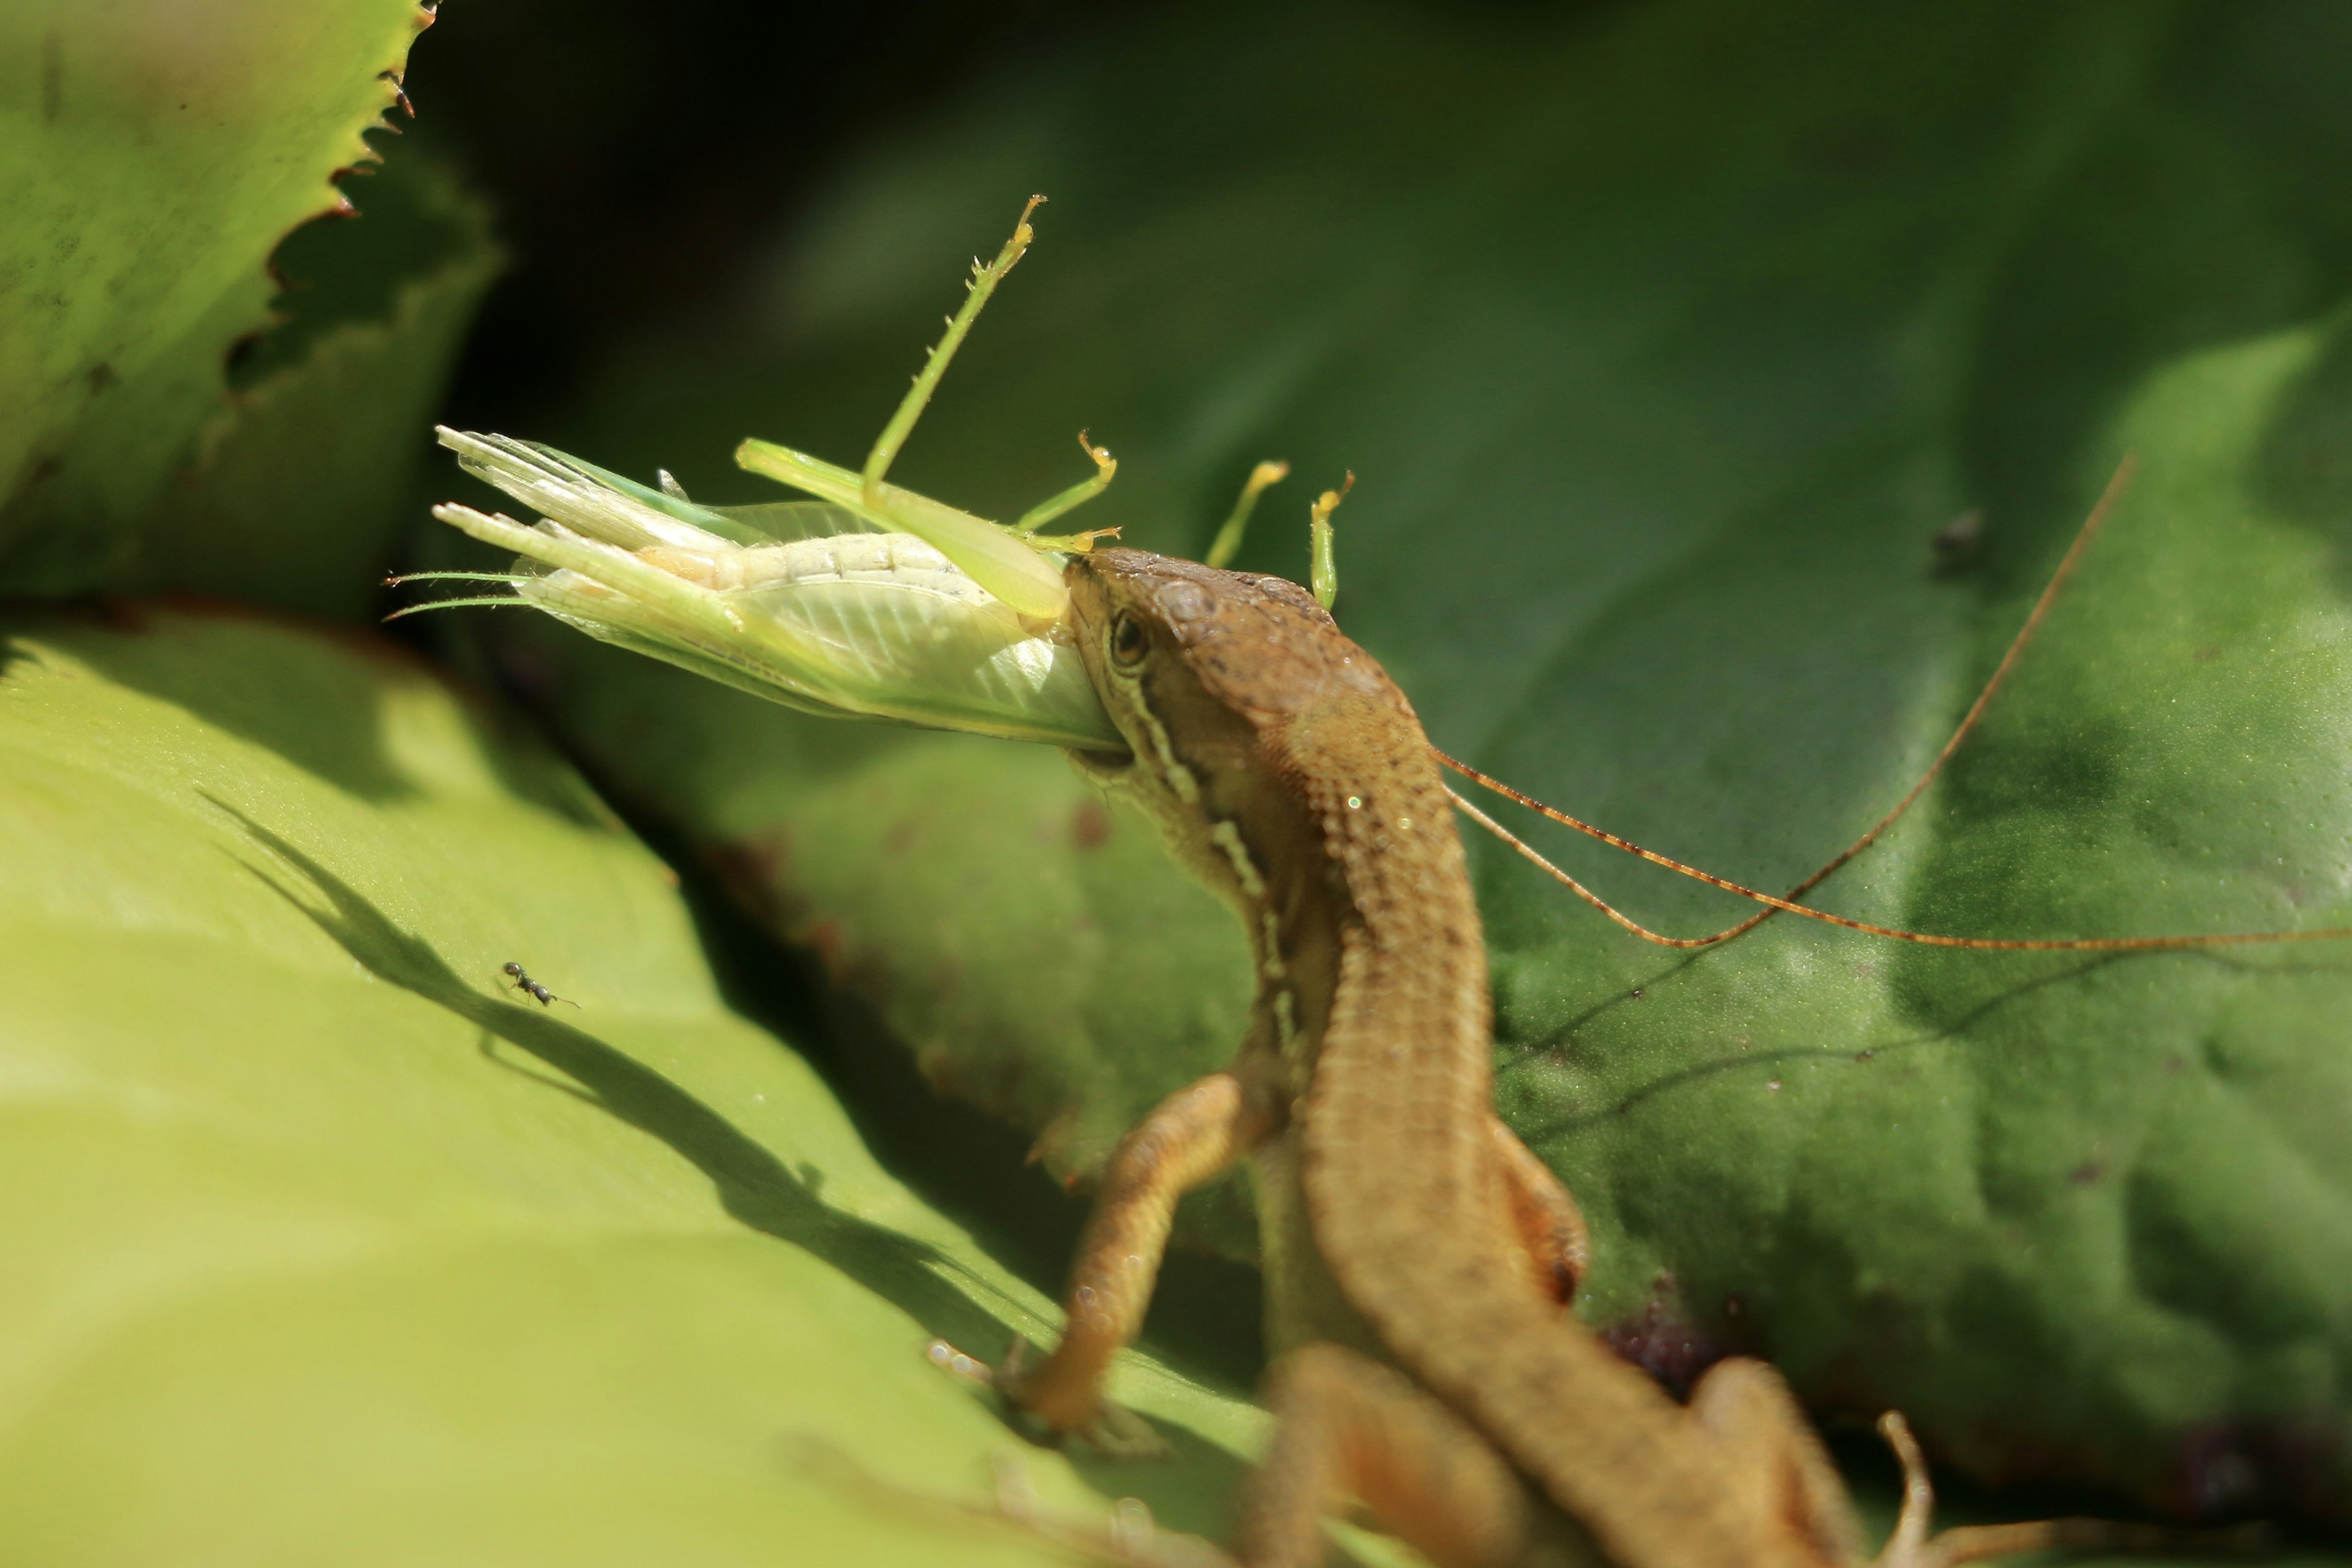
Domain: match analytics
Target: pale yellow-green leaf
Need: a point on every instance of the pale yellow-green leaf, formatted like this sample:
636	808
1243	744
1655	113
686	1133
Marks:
325	1246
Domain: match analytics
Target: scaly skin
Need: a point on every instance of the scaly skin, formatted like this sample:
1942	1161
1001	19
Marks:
1285	767
1417	1255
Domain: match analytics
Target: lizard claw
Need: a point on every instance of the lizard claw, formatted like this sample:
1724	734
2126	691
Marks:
1113	1430
956	1365
1119	1433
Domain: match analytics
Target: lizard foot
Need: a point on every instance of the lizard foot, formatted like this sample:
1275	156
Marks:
1119	1433
1112	1430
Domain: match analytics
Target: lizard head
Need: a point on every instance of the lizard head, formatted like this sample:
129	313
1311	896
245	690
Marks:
1208	676
1184	653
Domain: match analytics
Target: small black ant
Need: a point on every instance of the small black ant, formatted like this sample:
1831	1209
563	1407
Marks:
525	983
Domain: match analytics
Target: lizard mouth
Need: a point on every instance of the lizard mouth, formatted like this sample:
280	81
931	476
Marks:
1110	769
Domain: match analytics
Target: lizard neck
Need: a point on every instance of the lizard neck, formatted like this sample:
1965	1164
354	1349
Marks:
1397	1158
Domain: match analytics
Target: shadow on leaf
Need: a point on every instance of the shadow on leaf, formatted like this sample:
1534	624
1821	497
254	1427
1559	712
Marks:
752	1184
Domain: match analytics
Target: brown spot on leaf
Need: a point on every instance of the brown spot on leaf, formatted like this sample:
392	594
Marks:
753	871
2280	1464
1661	1343
1091	825
132	617
824	938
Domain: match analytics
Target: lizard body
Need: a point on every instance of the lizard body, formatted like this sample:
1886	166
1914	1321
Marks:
1417	1255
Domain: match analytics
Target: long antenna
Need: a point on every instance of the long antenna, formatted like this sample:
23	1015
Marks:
2116	486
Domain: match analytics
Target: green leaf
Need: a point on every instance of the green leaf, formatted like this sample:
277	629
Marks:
151	159
1034	945
1665	340
325	1243
309	476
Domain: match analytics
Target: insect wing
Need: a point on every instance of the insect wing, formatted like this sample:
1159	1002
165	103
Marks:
708	518
583	500
782	522
763	523
991	556
579	604
956	660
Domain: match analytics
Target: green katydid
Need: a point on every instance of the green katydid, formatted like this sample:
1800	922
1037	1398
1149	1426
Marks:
874	602
871	602
847	621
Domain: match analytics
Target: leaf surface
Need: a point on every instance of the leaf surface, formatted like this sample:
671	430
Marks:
303	482
1664	340
326	1244
152	156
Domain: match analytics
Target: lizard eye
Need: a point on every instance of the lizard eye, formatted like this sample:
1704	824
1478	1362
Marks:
1128	641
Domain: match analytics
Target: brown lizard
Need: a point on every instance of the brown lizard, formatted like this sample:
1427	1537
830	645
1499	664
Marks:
1417	1255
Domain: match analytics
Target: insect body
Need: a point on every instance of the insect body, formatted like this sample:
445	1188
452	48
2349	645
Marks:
808	604
525	984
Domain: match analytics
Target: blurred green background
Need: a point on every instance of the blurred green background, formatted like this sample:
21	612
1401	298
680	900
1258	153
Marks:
1666	339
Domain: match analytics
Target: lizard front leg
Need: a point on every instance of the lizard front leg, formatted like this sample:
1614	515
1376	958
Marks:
1189	1137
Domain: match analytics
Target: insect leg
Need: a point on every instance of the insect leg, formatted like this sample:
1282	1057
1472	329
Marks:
1228	541
984	280
995	557
1323	572
1912	1547
1076	496
2108	498
1000	559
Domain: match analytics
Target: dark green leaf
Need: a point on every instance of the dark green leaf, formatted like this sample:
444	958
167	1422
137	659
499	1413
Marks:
1664	340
